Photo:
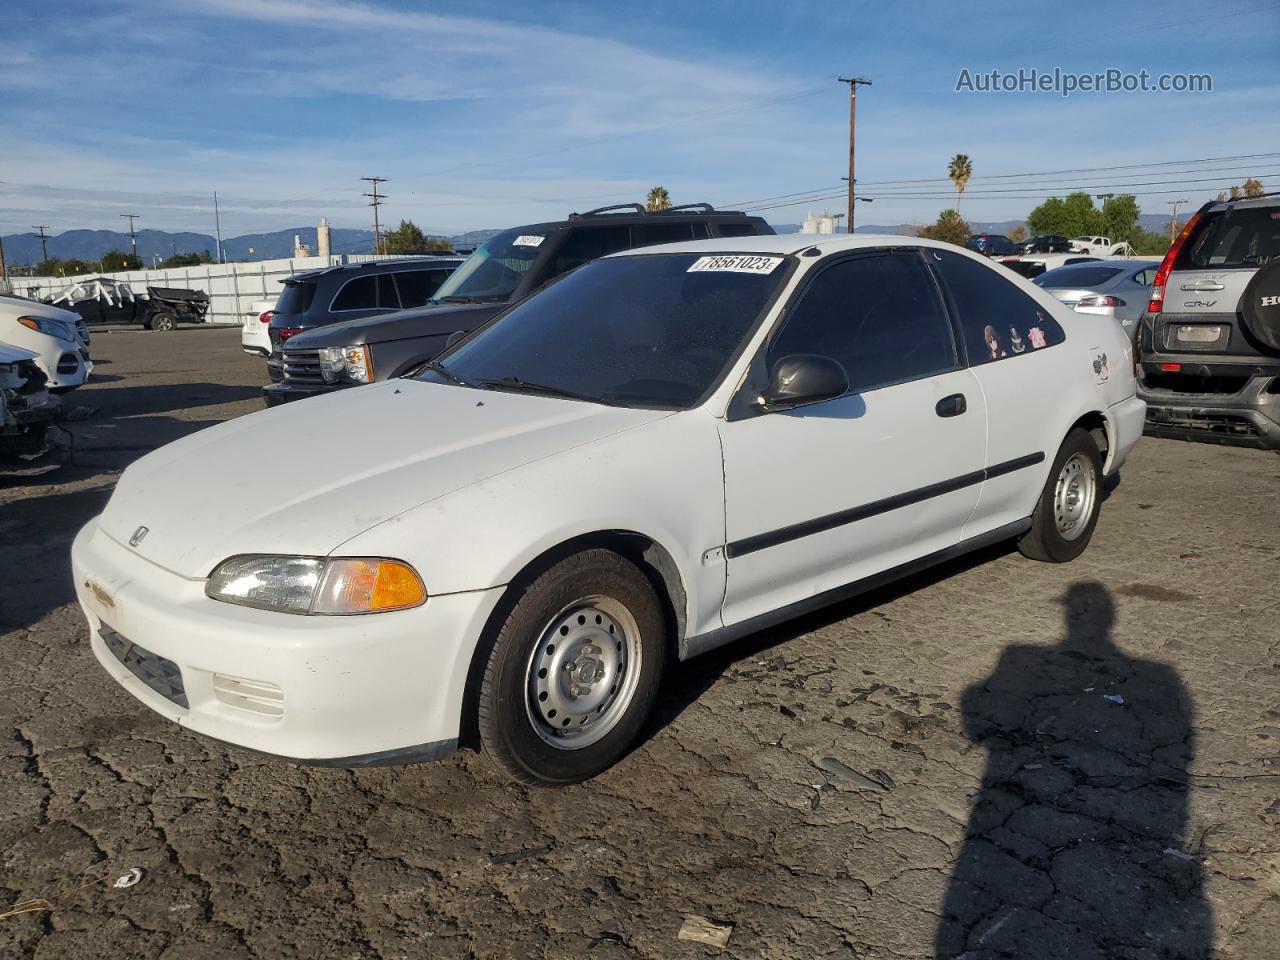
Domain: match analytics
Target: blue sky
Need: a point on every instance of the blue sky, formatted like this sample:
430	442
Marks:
487	114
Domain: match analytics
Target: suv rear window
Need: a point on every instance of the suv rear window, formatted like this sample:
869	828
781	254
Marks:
296	298
1234	237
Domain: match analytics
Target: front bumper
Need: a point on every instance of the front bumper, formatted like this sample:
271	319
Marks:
1249	417
334	691
277	393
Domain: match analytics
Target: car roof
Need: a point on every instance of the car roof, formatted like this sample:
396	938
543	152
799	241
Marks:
396	262
651	216
1113	262
786	243
1266	200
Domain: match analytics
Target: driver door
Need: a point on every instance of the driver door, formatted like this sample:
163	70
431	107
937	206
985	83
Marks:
823	495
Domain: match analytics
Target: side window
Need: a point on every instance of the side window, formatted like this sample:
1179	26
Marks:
736	229
587	243
387	292
877	315
645	234
417	286
1145	277
358	294
997	318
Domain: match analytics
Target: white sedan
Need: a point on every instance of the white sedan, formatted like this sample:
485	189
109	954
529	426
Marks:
660	452
57	337
253	333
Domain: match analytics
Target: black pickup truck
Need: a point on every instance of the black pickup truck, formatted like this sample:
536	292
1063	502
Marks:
506	269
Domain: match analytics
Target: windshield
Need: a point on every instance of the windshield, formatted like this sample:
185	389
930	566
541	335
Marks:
495	270
645	331
1065	277
1235	237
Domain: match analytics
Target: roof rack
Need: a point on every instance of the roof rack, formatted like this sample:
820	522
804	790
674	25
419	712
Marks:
1261	196
629	207
700	207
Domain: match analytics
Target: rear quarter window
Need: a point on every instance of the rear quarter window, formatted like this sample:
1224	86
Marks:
997	319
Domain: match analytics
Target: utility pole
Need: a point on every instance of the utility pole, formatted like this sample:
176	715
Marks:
217	225
44	253
4	270
376	200
1173	221
133	237
853	83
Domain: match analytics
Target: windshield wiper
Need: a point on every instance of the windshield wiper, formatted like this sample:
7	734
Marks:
448	374
516	385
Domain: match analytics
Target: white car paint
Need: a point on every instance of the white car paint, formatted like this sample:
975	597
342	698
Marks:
253	334
61	345
470	487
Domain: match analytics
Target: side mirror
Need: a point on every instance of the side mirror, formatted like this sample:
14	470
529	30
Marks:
803	378
454	338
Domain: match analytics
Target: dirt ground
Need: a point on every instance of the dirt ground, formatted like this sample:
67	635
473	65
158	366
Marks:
998	759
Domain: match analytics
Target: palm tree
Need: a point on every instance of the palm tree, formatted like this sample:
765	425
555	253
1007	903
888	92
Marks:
658	199
960	170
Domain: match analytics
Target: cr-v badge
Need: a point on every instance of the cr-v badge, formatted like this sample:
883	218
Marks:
138	536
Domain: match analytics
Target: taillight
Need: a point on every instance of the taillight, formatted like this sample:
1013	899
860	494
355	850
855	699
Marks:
1166	267
1171	367
1099	301
284	333
266	317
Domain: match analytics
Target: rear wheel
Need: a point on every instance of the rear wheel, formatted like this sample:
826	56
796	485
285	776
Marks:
573	671
1067	513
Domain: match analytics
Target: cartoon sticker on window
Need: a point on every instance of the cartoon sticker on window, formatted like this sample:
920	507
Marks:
994	350
1016	343
1036	336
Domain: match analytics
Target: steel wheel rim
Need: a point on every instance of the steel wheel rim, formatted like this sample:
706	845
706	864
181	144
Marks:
1074	496
582	674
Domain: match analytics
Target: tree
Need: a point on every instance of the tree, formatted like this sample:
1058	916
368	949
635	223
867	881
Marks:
1148	244
408	238
1073	217
949	227
658	199
1120	214
55	267
960	170
1249	189
187	259
1018	234
115	261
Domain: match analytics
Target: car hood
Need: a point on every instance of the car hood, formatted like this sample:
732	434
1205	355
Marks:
418	322
303	478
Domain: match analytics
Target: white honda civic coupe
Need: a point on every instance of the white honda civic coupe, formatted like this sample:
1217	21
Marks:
659	452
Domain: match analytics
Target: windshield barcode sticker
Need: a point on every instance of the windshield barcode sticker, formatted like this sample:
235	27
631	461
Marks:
528	241
735	264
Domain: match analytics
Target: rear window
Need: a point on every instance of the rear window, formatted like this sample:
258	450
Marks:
1077	277
296	298
1235	237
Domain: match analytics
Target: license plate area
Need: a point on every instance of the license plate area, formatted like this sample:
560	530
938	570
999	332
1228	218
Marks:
1198	333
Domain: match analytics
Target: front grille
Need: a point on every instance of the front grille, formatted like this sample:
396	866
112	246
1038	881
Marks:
161	675
1193	383
68	363
302	366
1220	424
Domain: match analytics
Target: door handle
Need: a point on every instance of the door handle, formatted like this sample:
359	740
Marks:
1203	286
952	406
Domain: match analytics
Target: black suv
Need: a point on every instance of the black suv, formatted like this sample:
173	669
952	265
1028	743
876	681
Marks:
348	292
507	268
1048	243
1209	343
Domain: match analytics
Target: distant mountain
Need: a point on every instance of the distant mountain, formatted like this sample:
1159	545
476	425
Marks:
1154	222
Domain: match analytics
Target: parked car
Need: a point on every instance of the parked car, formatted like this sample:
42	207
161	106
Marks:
1048	243
651	456
505	269
1209	342
254	336
103	300
1034	265
1109	288
26	408
51	334
992	245
336	294
1091	244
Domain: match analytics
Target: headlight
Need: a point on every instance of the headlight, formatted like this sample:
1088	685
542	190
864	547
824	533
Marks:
346	363
47	325
313	585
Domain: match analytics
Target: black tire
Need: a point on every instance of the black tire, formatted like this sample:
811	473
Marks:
514	733
1046	539
162	321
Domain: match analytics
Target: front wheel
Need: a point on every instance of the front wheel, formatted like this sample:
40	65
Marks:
162	321
573	671
1067	513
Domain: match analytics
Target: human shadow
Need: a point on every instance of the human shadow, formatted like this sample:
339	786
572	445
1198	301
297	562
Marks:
1077	843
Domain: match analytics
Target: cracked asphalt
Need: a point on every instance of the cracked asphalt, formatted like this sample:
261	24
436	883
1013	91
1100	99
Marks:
999	759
